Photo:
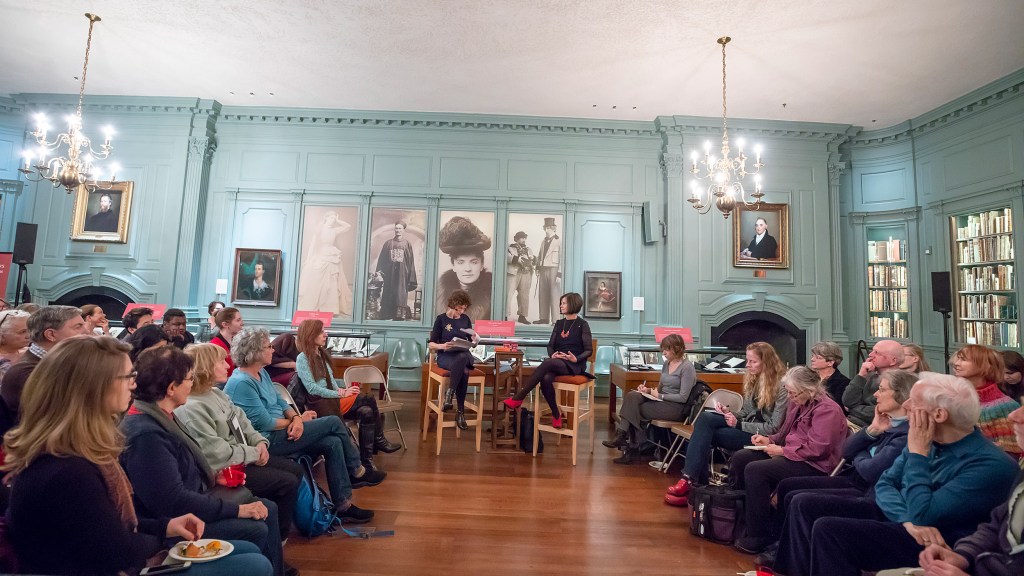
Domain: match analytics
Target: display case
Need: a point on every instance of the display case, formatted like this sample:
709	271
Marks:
984	277
888	277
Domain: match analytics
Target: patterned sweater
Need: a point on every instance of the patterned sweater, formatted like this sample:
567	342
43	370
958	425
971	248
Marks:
994	424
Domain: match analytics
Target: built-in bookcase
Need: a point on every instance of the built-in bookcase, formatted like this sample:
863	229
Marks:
888	282
984	273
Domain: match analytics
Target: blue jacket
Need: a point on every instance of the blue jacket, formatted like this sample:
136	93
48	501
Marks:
872	456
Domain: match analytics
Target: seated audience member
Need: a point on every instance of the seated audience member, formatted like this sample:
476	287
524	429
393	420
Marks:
995	548
859	397
95	320
167	467
227	438
29	307
1013	374
65	467
47	326
146	338
808	443
229	323
175	326
14	338
448	326
282	366
339	398
678	377
291	433
764	409
913	359
868	454
983	368
825	360
946	482
135	319
207	330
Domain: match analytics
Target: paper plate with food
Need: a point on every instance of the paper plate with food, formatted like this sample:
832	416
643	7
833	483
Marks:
201	550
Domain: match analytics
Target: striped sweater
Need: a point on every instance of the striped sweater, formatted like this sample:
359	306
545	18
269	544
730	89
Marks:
994	424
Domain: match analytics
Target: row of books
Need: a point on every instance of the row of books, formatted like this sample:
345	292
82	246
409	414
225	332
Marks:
990	333
991	306
991	222
895	327
987	278
887	250
886	300
882	276
986	249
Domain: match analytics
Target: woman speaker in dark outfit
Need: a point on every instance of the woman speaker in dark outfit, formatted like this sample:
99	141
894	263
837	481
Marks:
458	361
570	346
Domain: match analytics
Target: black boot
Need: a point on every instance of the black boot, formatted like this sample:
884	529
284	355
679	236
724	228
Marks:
366	442
449	394
382	444
620	440
460	420
629	456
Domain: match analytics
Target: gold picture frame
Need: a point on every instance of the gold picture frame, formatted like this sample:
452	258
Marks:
745	253
91	222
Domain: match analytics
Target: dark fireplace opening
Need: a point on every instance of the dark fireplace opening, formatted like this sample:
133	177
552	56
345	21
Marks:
742	329
112	301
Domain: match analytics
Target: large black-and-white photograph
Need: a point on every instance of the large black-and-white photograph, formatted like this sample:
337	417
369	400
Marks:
394	283
328	262
465	261
533	268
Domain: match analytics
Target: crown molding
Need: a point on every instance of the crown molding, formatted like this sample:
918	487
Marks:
834	134
119	104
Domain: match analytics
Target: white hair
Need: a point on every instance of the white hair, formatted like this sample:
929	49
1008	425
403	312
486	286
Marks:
953	394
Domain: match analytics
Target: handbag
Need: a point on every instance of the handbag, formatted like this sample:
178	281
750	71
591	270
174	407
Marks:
717	513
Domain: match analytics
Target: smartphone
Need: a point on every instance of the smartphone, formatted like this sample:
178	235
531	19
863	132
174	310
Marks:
167	568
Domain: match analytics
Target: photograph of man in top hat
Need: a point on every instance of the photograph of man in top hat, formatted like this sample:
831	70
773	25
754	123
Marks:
549	272
467	247
520	263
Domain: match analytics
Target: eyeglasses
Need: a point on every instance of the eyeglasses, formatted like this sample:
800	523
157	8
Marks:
189	378
129	376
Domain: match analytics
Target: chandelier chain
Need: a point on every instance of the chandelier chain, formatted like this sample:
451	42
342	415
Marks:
725	121
85	66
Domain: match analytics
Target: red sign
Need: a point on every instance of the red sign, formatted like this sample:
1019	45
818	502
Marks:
301	315
158	309
498	328
661	331
5	268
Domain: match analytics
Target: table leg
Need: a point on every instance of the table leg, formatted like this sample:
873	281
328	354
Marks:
612	397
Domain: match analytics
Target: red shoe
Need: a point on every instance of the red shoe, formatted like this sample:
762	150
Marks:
680	501
512	403
556	422
682	488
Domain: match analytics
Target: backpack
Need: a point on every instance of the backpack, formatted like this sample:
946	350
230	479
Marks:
314	511
526	433
717	513
298	392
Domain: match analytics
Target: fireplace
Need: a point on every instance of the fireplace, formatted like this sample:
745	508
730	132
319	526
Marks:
111	300
742	329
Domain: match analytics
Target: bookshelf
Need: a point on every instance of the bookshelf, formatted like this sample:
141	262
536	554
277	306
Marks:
888	282
984	273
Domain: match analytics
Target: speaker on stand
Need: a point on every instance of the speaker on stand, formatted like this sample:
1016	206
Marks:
942	302
24	254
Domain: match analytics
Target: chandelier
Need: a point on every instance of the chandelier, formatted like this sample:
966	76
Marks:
723	177
75	167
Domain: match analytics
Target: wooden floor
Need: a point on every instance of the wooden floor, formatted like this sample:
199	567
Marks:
465	512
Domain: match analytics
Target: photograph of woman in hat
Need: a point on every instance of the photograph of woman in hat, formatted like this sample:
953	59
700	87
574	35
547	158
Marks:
467	248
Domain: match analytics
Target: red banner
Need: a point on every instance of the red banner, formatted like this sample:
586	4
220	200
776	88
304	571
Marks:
496	328
661	331
301	315
6	258
158	309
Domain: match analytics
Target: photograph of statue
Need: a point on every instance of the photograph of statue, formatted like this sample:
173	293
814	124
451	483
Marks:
465	260
328	262
394	285
533	268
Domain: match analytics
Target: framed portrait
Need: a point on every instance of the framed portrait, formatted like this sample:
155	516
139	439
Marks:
327	261
603	298
257	277
465	261
761	236
102	214
394	283
533	268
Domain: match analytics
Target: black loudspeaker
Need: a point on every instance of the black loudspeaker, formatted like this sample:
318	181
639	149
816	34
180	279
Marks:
942	292
25	243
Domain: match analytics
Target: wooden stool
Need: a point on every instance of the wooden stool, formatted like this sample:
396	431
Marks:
437	383
568	392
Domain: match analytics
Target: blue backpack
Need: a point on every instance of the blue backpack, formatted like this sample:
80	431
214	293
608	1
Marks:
314	511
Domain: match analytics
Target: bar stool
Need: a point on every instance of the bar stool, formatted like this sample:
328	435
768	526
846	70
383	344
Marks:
569	390
437	383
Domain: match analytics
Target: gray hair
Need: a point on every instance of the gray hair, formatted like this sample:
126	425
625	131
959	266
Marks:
829	351
247	346
901	381
50	318
5	320
804	379
954	395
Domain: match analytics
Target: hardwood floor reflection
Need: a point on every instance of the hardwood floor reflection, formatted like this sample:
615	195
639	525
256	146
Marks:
465	512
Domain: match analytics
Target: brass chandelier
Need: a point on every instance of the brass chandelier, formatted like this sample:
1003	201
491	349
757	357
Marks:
719	181
74	167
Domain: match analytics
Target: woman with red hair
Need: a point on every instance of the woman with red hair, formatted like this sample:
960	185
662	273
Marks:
983	367
314	368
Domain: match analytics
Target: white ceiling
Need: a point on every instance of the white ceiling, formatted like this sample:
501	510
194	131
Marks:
872	63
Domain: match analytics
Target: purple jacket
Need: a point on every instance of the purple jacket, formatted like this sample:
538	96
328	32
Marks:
813	433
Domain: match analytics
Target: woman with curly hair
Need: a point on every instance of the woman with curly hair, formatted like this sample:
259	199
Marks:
465	245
